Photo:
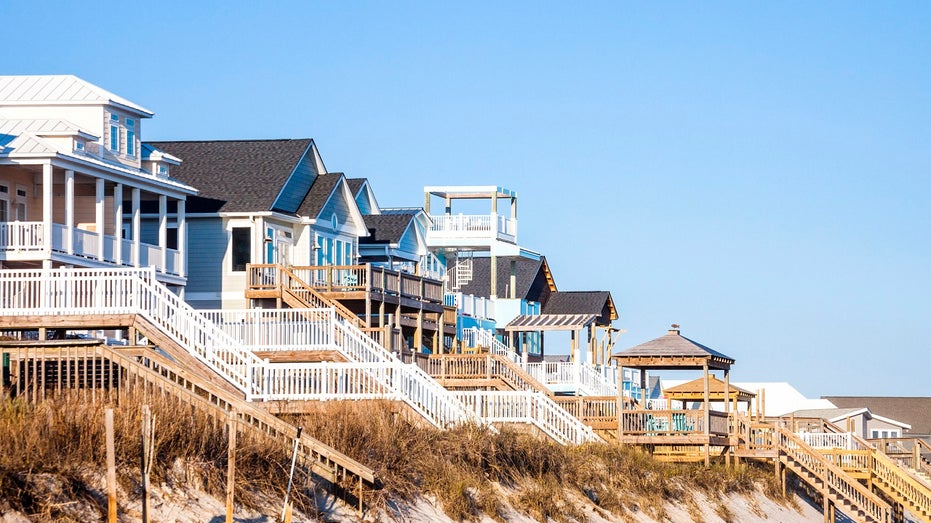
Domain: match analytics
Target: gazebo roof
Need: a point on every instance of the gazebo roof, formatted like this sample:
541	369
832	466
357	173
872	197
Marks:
673	352
695	391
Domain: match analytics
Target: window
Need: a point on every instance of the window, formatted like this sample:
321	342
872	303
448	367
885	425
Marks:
115	137
20	204
4	203
319	249
241	248
163	169
171	238
130	137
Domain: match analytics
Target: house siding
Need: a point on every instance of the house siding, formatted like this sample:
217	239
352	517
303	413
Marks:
294	190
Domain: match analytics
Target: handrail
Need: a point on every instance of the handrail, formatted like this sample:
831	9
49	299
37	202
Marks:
528	407
835	480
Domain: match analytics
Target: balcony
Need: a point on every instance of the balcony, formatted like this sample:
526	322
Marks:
26	241
471	229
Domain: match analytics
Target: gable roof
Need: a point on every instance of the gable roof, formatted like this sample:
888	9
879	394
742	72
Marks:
355	184
913	410
65	89
235	175
527	272
839	414
386	228
319	194
581	302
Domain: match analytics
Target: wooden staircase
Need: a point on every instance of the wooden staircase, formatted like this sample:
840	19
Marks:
38	369
477	372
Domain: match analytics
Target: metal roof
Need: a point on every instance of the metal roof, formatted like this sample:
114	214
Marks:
550	322
63	89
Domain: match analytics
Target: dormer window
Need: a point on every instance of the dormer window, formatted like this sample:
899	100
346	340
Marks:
162	169
130	137
79	146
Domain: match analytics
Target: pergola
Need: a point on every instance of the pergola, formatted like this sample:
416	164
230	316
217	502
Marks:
554	322
676	352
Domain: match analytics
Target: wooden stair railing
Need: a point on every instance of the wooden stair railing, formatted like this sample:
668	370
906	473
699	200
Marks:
892	478
482	366
165	375
275	277
813	468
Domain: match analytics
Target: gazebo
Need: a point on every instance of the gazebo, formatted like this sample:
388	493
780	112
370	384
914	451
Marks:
693	391
675	427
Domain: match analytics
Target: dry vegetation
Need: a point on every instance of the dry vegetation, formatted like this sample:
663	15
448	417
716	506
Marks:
470	470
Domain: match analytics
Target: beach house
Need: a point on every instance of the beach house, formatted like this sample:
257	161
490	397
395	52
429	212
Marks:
77	186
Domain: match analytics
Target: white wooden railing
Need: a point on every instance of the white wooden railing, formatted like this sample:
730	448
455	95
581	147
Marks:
470	305
28	237
476	337
227	348
528	407
827	440
21	236
589	380
474	225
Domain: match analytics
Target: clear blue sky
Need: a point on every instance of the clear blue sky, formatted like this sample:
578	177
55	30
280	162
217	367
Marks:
756	172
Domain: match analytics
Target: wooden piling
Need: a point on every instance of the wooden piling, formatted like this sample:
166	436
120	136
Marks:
111	468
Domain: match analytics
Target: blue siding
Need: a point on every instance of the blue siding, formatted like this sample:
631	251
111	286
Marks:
294	190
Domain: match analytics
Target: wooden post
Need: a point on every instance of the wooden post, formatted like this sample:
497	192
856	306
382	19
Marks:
707	416
620	402
111	467
231	466
148	449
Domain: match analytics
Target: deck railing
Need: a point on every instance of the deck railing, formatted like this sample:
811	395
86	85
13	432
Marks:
528	407
21	236
587	379
490	226
470	305
370	278
668	422
29	237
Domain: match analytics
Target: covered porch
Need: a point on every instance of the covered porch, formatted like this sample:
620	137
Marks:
59	212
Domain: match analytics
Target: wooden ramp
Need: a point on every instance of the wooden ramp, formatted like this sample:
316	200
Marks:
35	370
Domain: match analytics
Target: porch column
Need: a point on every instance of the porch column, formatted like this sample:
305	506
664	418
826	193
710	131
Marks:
182	240
118	223
513	208
99	209
47	213
727	392
137	226
494	276
162	231
69	212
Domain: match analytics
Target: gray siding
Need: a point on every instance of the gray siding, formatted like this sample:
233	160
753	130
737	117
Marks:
294	190
207	242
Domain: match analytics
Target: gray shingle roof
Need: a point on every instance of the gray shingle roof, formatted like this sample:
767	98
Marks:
531	282
319	194
386	228
672	344
916	411
355	184
598	303
234	175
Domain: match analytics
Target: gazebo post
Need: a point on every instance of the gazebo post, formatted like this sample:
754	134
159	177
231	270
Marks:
707	417
620	403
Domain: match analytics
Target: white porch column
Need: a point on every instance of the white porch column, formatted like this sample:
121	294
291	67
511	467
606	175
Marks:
99	209
118	223
47	214
137	226
162	230
69	212
182	240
